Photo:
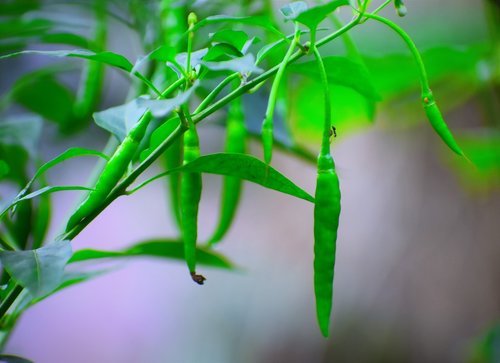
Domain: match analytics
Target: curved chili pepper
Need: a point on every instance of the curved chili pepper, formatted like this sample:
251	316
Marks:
190	199
326	222
268	124
437	122
112	172
326	214
236	133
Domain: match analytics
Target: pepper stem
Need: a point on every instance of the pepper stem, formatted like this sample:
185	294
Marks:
325	143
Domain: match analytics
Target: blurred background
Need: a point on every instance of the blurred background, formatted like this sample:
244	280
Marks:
417	277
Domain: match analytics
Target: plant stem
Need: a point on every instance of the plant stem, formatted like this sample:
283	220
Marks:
387	2
325	141
264	76
215	92
424	82
120	189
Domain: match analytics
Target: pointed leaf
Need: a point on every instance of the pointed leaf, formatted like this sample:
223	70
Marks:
42	93
259	21
65	38
312	17
160	134
292	10
163	53
22	27
195	60
161	108
236	38
156	248
40	271
341	71
70	279
243	65
46	190
109	58
121	119
68	154
240	166
222	52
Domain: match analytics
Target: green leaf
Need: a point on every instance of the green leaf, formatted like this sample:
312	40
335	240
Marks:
23	131
222	52
259	21
160	134
292	10
236	38
240	166
312	17
7	358
66	38
341	71
40	271
52	189
69	279
195	60
16	159
163	53
68	154
109	58
156	248
18	7
21	27
267	49
305	119
243	65
43	191
121	119
161	108
42	93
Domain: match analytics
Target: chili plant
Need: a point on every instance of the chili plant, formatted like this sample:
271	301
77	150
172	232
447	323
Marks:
182	78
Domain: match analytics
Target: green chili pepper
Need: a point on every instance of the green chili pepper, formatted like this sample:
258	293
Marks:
112	172
235	143
173	159
436	119
173	24
190	199
268	124
326	222
326	214
431	109
89	91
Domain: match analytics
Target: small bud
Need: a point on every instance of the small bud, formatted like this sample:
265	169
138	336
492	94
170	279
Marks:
400	7
192	19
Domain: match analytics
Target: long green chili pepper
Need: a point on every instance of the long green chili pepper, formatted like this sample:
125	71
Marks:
267	124
112	172
173	24
89	91
236	133
190	198
190	182
326	215
117	165
431	109
437	122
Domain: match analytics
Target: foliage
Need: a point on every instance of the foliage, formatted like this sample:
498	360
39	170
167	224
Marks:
193	67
